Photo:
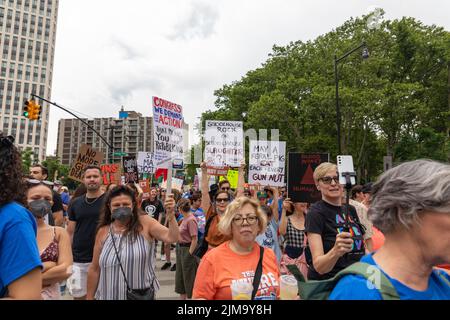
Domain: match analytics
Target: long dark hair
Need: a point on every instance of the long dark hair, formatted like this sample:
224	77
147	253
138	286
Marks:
134	226
11	176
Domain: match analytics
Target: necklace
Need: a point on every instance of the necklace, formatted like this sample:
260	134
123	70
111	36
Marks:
90	203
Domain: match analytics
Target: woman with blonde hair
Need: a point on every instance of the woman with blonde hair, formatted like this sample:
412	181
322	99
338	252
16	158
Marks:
239	260
335	238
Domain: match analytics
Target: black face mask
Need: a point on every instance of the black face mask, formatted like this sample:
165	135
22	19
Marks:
40	208
122	214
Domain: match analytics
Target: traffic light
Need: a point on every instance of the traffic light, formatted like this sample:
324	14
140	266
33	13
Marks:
26	109
32	110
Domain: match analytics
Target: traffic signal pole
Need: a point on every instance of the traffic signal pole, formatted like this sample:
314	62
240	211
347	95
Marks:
84	122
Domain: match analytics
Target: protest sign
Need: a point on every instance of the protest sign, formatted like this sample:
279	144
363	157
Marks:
168	124
86	156
218	171
145	163
130	171
232	177
224	143
176	184
145	186
111	174
301	186
267	163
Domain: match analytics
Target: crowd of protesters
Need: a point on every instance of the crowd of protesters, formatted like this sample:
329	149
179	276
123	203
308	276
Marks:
104	240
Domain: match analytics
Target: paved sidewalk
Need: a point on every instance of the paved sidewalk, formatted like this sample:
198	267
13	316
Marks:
166	279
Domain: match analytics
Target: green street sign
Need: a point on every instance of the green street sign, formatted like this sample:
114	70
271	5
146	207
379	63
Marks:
120	154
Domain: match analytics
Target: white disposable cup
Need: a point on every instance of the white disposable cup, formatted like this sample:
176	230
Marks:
288	288
241	290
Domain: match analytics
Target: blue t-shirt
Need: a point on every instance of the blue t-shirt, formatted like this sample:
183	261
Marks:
356	288
269	239
19	253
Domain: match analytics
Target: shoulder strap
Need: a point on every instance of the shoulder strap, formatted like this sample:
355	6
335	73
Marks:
321	289
118	258
258	273
371	273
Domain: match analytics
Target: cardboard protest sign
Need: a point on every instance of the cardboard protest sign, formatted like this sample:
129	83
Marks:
301	186
267	163
86	156
146	163
130	170
145	186
224	143
168	123
232	177
111	173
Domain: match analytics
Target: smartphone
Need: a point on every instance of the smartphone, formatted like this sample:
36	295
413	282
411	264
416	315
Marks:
345	164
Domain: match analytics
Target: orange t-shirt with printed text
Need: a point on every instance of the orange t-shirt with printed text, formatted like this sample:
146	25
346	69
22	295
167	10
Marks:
220	266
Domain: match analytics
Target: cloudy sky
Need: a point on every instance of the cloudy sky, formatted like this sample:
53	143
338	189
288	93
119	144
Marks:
109	55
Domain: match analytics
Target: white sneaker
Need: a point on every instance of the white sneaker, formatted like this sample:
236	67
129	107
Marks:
163	257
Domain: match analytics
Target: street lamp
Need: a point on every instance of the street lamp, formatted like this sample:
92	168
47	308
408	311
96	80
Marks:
364	55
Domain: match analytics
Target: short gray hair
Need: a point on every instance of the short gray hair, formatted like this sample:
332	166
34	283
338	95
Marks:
403	192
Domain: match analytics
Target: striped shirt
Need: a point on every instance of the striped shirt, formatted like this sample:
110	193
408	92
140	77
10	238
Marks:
138	261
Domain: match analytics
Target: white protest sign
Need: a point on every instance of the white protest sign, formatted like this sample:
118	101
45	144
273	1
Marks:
267	163
146	163
224	143
168	126
176	184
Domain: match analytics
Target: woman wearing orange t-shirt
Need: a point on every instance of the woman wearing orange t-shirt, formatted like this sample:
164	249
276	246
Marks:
236	260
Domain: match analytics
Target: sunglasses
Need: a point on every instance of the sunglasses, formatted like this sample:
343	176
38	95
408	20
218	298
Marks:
225	189
36	182
328	180
224	200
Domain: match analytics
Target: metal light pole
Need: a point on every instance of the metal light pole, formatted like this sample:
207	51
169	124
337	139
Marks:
365	55
84	122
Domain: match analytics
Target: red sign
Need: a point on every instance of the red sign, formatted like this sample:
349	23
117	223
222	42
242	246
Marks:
111	173
145	186
218	171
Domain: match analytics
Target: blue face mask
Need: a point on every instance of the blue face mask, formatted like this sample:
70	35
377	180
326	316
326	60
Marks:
40	208
122	214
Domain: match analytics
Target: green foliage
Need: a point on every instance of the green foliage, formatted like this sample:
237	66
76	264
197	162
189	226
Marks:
59	171
396	102
27	159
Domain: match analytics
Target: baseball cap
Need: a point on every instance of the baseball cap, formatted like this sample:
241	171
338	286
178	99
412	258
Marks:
262	194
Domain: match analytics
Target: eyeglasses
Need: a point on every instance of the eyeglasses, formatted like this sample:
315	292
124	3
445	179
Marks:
225	189
251	220
224	200
328	180
36	182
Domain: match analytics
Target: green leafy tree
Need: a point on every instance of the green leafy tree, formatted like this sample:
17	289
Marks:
27	160
396	102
